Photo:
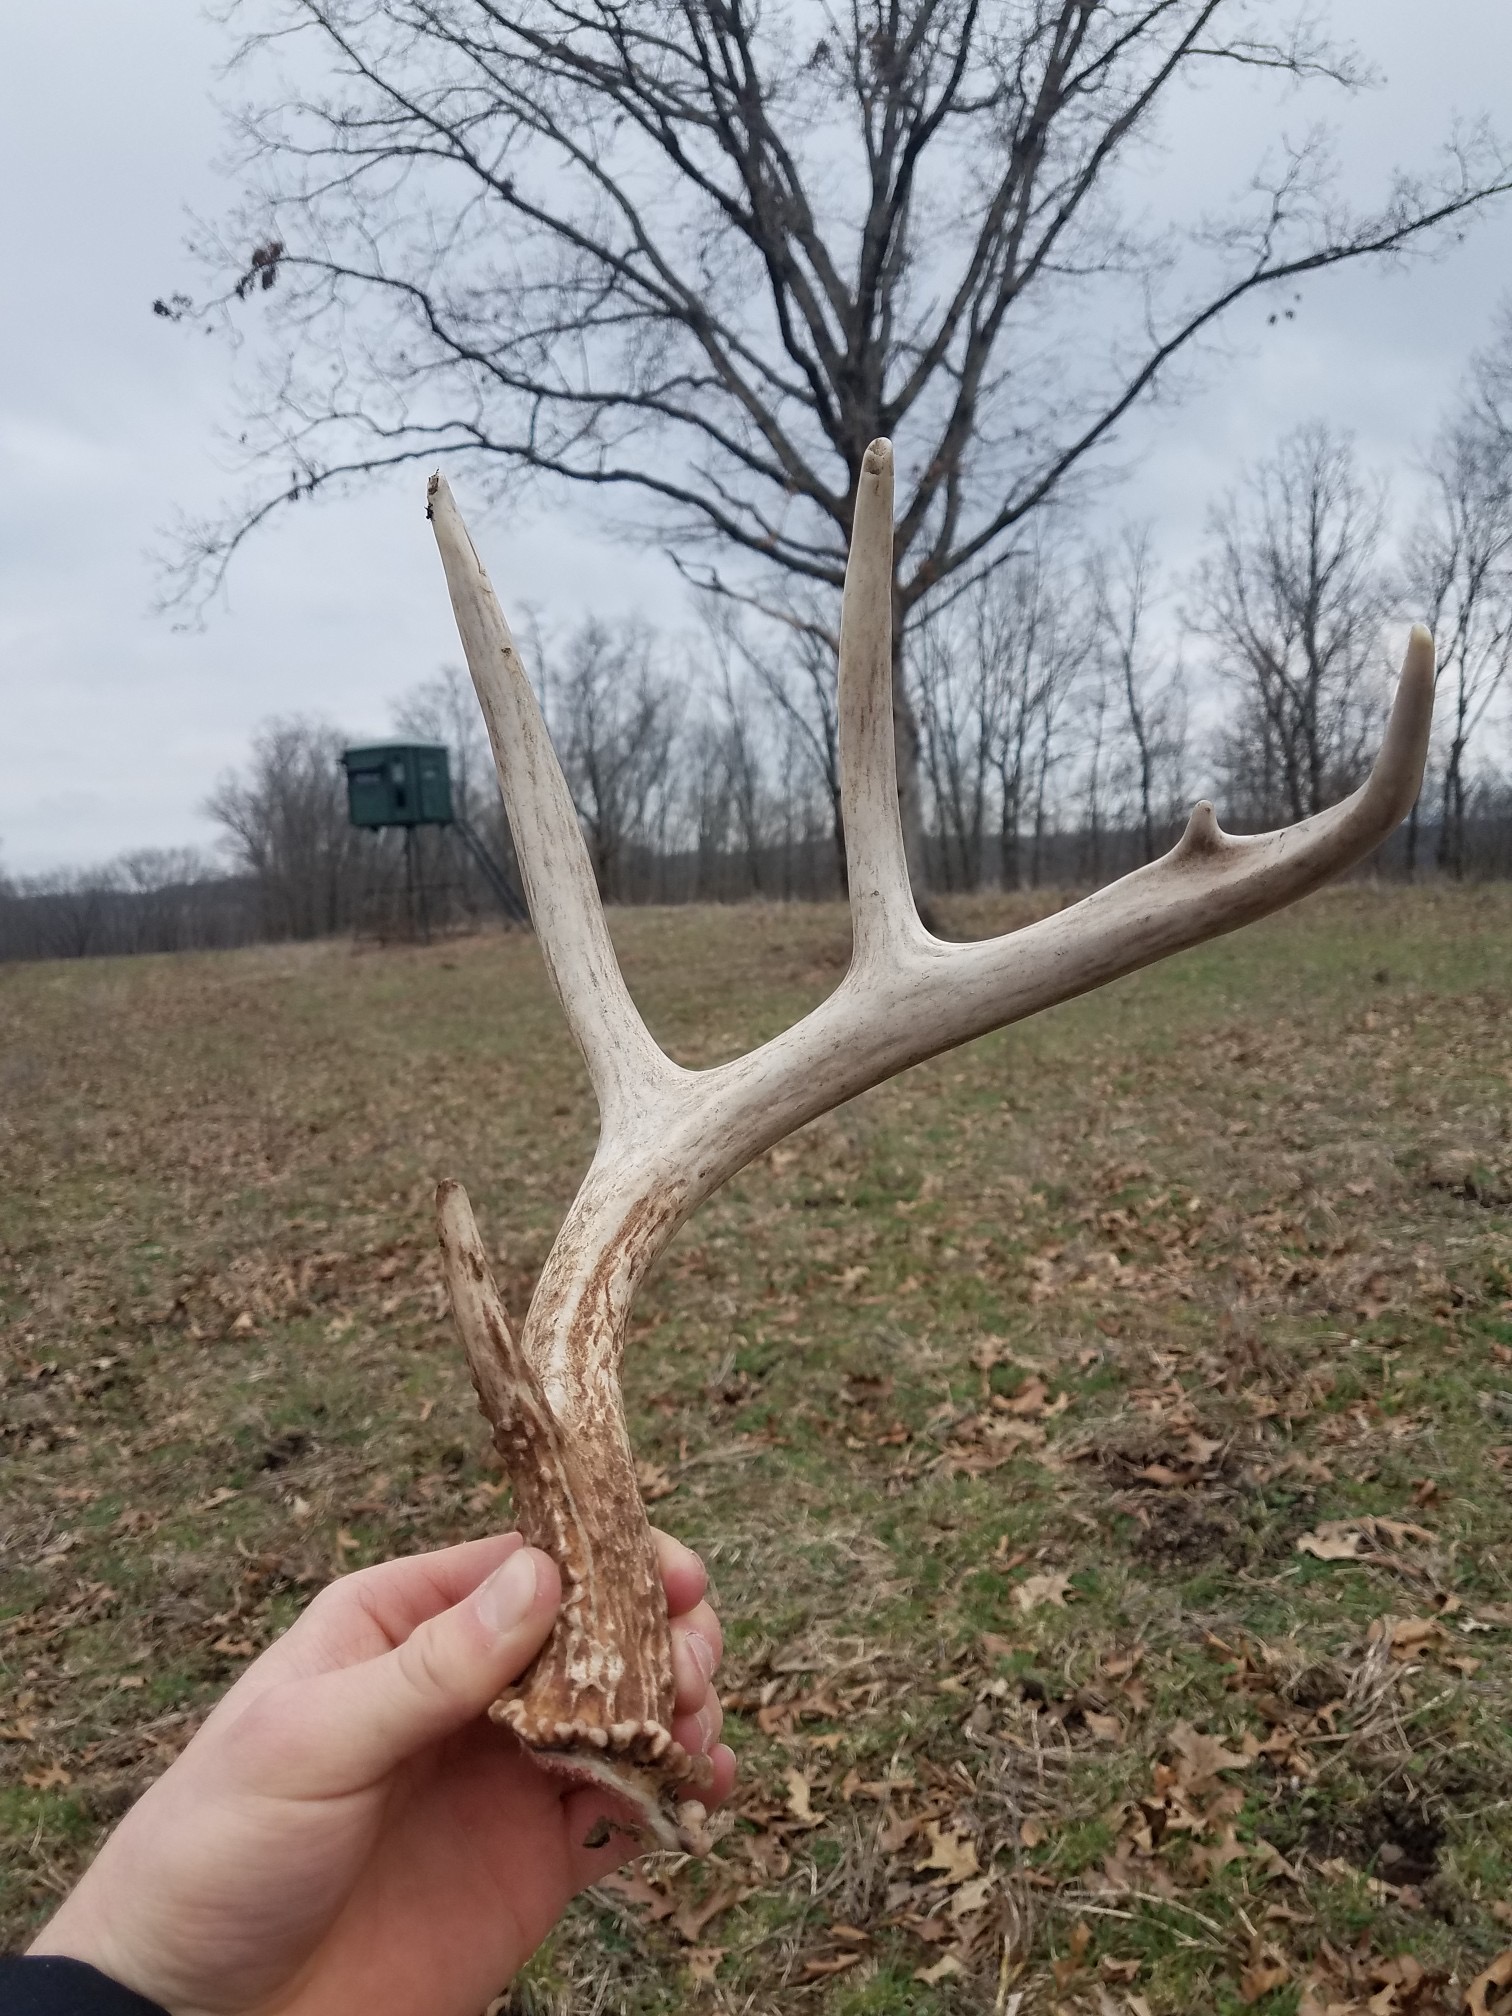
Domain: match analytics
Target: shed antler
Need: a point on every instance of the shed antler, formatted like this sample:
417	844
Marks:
598	1701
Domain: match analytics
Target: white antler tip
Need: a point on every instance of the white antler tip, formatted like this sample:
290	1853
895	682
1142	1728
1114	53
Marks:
1418	665
1398	773
877	460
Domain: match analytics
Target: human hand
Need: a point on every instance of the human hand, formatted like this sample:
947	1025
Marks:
348	1831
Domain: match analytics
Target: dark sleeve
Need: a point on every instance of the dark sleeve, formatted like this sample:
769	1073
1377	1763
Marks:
45	1985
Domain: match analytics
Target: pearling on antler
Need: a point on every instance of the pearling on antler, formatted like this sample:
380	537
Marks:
598	1701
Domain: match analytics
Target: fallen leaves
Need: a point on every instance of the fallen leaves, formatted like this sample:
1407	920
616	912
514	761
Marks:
1266	1972
51	1778
800	1797
655	1482
234	1648
1355	1539
1175	1360
953	1854
1052	1587
1201	1758
1410	1637
1340	1983
1478	1995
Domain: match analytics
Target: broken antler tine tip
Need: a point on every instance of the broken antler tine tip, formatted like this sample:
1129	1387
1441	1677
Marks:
878	457
454	1216
439	500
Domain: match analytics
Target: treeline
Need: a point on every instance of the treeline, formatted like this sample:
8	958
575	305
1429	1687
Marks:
1067	710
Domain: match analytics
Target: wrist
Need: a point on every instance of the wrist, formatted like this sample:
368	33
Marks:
70	1937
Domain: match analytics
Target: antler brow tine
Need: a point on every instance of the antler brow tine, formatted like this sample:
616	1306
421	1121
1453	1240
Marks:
622	1058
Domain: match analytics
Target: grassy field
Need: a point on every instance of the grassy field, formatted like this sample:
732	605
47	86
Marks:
1101	1440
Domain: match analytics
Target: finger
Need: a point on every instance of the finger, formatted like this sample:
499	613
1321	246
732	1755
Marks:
363	1615
697	1647
684	1576
722	1759
399	1595
345	1730
698	1733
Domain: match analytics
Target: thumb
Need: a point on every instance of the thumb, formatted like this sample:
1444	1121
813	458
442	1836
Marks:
347	1729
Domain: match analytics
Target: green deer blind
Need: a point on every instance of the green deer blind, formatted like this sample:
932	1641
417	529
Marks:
398	784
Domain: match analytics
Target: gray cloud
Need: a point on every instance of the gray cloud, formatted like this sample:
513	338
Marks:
115	726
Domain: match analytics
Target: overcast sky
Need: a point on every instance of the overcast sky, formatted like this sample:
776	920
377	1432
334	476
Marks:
115	726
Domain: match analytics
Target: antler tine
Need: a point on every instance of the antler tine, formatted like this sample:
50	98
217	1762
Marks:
622	1058
883	917
1210	883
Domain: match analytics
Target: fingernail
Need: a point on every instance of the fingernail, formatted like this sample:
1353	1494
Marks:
703	1653
705	1721
505	1598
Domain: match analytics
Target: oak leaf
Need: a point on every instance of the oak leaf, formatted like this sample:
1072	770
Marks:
1263	1975
633	1888
972	1896
1051	1587
1497	1975
799	1795
954	1854
690	1918
1333	1542
654	1482
1201	1757
50	1778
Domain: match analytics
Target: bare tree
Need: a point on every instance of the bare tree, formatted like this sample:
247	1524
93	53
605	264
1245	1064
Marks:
1292	599
150	900
1032	635
707	787
705	250
1097	782
444	709
1459	573
742	752
958	697
286	824
790	659
69	911
1148	692
615	717
994	668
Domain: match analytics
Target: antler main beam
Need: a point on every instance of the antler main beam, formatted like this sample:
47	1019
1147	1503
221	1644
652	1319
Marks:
598	1701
